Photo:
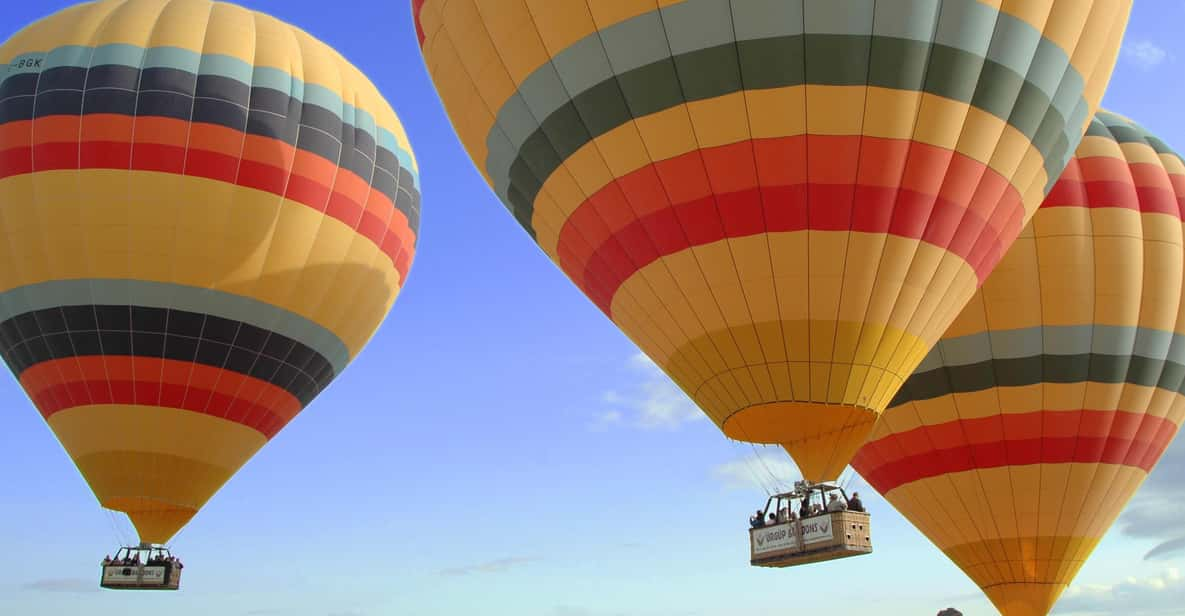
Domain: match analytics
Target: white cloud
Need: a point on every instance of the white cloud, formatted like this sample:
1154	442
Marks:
493	566
768	469
653	402
1145	54
1159	594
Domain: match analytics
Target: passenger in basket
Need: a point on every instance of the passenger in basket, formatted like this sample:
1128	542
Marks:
757	520
854	503
835	504
783	515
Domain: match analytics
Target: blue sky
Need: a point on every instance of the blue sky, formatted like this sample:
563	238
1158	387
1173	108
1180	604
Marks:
499	449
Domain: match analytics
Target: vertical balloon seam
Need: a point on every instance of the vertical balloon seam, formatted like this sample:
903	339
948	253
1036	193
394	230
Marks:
849	420
1100	513
614	181
1068	563
989	157
1049	180
697	144
922	79
929	223
277	197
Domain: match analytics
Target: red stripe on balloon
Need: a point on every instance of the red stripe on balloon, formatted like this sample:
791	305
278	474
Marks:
221	154
897	187
1013	439
66	383
1104	181
416	7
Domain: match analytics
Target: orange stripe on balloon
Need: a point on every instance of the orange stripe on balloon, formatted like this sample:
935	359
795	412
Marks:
66	383
222	154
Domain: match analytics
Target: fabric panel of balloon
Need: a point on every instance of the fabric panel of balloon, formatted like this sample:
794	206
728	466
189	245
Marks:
1020	438
783	203
206	214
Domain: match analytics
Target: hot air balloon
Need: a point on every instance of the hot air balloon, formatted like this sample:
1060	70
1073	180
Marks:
783	203
205	215
1019	439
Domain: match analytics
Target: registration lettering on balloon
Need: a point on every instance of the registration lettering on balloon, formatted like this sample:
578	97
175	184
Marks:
27	63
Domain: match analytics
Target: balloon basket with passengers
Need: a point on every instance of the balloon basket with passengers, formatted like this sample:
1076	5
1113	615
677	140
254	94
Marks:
812	523
142	567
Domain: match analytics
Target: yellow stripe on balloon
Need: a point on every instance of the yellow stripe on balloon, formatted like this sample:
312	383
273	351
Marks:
1002	544
1020	400
211	234
99	428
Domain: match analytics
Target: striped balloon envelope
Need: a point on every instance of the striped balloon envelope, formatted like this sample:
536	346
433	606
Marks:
784	203
1023	434
205	214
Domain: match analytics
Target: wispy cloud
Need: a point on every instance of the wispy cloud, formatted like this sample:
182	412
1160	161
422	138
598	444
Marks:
493	566
1159	594
62	585
1145	54
1167	549
769	468
653	402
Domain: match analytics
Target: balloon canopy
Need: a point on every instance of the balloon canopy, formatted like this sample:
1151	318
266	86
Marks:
1032	422
205	213
784	204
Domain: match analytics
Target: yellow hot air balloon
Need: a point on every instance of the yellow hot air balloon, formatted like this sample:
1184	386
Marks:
783	203
1032	422
205	213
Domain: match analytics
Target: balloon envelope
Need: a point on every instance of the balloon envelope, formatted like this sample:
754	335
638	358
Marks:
784	204
205	214
1032	422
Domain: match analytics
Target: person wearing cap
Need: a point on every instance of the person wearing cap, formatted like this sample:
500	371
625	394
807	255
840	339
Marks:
834	504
